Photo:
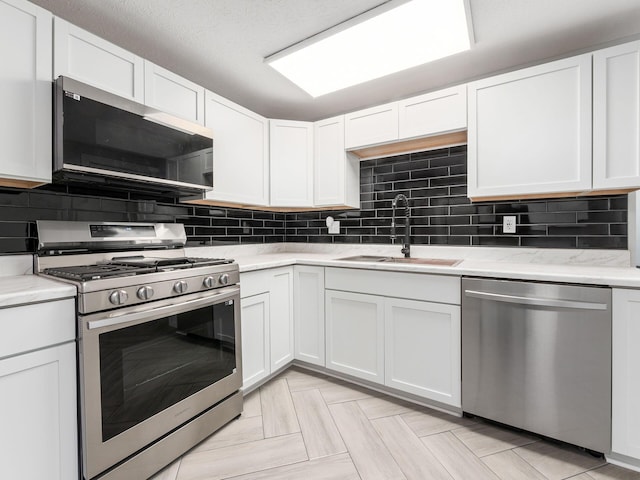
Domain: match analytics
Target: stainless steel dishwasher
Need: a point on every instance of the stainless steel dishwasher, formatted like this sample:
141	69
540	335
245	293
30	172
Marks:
537	356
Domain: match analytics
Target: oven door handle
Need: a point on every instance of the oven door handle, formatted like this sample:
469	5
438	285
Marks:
120	318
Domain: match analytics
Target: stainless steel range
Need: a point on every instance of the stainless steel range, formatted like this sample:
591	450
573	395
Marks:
158	341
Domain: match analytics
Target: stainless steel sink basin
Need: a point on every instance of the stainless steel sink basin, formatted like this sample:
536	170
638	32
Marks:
446	262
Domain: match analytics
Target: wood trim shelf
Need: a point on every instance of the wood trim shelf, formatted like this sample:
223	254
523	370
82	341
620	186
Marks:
265	208
413	145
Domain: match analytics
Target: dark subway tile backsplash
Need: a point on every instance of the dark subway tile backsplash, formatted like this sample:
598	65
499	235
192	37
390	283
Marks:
441	214
434	181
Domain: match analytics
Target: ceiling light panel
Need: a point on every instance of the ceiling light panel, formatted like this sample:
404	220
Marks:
411	34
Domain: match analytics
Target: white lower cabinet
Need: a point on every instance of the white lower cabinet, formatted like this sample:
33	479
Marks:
38	409
281	317
422	349
625	434
308	314
255	339
355	334
266	323
411	344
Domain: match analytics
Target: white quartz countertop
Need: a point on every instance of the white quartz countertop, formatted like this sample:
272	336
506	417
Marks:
24	289
593	267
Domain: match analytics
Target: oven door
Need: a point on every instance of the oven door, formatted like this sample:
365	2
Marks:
148	369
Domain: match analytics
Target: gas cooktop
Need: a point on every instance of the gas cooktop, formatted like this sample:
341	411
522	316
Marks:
129	266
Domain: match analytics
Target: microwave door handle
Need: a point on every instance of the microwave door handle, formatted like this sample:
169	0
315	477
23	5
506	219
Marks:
118	319
542	302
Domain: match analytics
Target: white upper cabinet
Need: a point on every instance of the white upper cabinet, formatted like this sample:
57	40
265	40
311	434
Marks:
616	117
433	113
371	126
240	153
171	93
291	159
336	172
25	96
530	131
92	60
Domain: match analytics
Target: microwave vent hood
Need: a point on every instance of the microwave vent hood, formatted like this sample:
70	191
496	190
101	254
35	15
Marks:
110	142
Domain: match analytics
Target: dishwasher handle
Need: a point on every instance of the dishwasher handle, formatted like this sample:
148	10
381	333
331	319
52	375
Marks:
543	302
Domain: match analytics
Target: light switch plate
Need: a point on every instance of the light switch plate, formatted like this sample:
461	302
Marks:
509	224
334	228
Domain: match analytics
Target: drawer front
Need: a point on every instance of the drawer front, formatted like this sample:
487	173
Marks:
415	286
31	327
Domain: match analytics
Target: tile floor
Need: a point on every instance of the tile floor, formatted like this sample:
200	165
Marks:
303	425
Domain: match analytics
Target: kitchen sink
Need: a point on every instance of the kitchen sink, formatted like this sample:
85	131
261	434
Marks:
445	262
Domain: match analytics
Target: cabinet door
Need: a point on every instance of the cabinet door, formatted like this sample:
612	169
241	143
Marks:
355	334
422	349
171	93
90	59
336	172
530	131
616	117
308	294
625	431
291	159
281	317
371	126
433	113
240	152
25	96
38	415
255	339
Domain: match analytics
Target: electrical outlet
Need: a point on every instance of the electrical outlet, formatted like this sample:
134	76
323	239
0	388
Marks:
509	224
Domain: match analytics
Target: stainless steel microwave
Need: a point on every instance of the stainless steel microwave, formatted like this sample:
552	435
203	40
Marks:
109	141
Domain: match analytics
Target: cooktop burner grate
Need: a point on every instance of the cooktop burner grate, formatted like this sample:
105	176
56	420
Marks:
83	273
129	266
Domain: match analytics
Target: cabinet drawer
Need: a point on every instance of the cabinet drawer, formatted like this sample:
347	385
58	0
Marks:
30	327
415	286
259	281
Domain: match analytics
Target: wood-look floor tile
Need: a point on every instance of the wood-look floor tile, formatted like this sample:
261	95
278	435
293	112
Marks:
415	460
557	462
278	414
459	461
430	422
613	472
299	380
320	433
377	407
244	458
241	430
336	467
170	472
487	439
367	450
251	405
509	466
343	392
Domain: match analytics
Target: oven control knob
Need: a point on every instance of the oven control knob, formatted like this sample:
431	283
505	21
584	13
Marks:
145	293
209	282
180	287
118	297
224	279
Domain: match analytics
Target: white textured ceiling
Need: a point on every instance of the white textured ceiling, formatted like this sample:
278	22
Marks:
221	44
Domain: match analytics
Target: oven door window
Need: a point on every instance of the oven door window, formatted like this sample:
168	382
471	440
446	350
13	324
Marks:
148	367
